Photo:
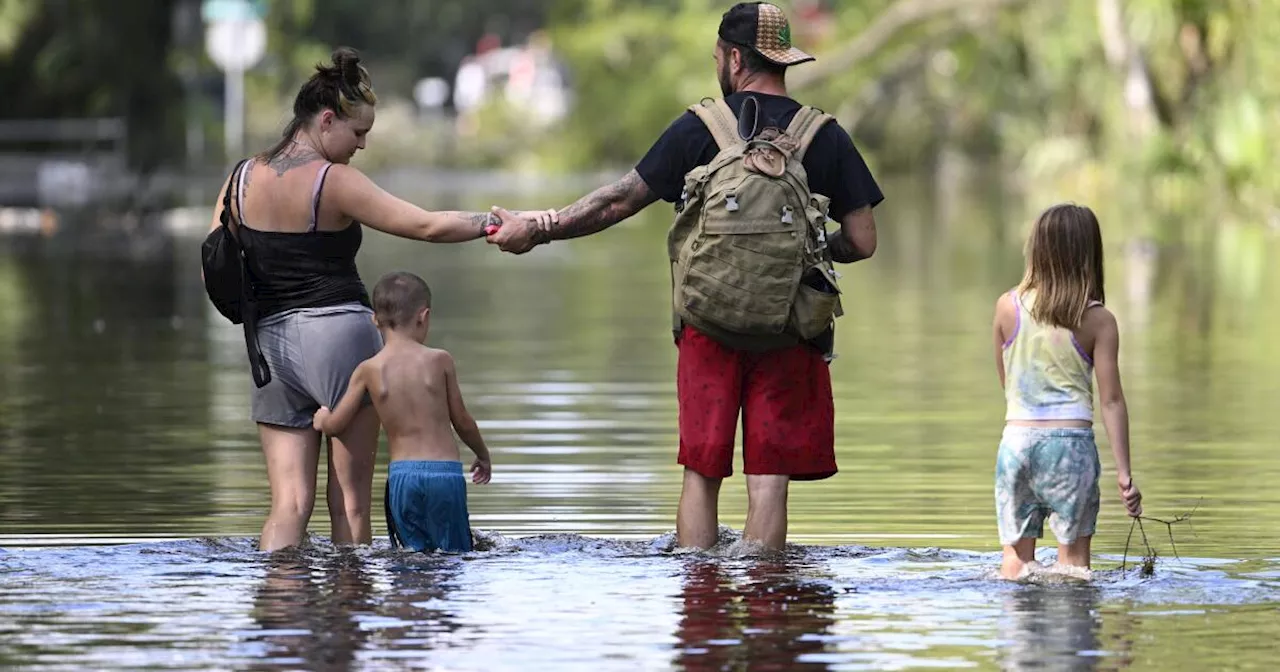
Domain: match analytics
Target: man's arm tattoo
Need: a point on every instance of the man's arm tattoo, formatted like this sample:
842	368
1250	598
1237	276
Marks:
842	249
602	208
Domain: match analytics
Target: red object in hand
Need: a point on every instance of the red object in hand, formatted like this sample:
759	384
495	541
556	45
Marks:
491	229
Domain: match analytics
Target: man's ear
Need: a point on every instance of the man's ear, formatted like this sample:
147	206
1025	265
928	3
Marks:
424	314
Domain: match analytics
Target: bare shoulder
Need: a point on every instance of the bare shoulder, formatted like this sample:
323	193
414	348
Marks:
343	171
371	366
1004	303
437	358
1099	320
1006	309
346	179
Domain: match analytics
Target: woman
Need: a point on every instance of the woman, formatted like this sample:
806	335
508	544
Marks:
300	209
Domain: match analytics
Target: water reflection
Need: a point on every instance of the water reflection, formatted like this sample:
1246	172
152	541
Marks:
419	604
766	618
309	612
1059	627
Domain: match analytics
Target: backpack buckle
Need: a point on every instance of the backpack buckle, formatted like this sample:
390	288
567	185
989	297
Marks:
731	202
786	215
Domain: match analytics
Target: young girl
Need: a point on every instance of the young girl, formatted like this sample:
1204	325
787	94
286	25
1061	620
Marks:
1050	334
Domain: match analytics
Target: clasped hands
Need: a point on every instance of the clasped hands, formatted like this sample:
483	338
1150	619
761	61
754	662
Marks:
519	232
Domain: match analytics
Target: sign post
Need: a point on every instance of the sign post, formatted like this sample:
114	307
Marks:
236	39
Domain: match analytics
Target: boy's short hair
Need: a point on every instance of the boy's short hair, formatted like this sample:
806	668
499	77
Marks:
398	297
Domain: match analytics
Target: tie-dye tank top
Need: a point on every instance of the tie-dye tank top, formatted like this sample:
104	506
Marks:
1048	376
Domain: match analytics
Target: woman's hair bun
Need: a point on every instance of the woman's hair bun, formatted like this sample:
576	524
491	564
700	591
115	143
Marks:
347	62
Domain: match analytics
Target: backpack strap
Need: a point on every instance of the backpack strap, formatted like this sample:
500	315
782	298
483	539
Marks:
804	127
720	120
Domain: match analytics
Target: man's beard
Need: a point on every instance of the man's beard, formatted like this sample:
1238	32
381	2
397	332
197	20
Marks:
726	86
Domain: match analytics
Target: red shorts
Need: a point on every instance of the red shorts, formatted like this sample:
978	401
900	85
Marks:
788	418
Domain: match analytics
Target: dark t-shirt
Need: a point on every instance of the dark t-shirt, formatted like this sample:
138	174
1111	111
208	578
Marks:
835	168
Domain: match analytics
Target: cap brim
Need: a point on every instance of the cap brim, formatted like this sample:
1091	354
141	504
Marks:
790	56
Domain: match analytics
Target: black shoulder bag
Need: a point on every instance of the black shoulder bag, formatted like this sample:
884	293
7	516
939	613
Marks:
228	283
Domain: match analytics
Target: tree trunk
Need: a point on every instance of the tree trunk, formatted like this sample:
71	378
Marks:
1127	60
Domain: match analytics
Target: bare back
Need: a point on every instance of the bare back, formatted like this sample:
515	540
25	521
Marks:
410	385
286	195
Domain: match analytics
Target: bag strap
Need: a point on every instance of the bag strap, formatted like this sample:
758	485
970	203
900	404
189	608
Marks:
804	127
720	120
233	183
258	366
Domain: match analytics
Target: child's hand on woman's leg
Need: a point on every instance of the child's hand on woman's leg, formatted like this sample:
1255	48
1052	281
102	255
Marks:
317	422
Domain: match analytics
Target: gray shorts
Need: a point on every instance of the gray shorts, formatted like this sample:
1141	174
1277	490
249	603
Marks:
311	352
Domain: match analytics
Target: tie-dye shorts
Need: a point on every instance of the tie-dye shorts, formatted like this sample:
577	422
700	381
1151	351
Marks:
1042	472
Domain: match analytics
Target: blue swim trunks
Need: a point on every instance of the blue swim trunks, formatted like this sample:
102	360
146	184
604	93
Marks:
1042	472
426	504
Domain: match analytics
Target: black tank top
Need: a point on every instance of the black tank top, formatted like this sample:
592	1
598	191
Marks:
303	270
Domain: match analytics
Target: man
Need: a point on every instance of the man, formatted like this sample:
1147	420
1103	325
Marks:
782	386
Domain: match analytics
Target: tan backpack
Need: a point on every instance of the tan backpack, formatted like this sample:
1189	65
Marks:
748	231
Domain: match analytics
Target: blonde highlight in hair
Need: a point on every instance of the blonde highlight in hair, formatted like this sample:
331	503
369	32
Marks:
356	85
1064	265
363	94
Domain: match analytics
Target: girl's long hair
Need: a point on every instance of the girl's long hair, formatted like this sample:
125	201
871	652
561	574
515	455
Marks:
1064	265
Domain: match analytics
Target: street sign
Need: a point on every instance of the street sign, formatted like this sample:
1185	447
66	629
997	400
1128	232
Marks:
236	45
232	10
236	39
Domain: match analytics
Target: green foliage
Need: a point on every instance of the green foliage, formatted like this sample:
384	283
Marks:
69	58
1027	81
635	67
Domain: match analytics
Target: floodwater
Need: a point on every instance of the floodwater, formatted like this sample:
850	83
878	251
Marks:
132	487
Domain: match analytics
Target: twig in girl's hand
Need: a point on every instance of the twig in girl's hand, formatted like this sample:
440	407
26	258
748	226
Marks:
1125	558
1149	559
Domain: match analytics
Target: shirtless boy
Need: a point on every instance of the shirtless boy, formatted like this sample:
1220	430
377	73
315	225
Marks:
415	392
